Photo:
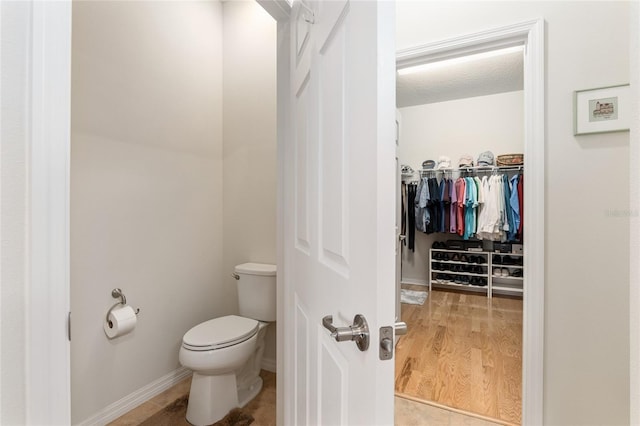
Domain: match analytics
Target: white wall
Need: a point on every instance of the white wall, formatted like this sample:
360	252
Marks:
454	128
249	151
586	376
14	47
146	188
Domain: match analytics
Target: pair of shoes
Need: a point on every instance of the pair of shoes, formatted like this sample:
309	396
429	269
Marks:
443	278
500	272
458	268
437	256
455	257
464	258
517	273
461	279
508	260
438	245
481	282
477	259
477	270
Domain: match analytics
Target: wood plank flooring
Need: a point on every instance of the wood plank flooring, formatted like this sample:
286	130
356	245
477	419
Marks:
464	351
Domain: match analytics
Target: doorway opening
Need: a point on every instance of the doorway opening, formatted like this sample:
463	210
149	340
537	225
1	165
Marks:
469	346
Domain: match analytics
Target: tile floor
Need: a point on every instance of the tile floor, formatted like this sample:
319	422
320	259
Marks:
263	409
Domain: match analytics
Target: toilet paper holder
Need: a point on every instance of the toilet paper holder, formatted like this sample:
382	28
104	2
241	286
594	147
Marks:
115	293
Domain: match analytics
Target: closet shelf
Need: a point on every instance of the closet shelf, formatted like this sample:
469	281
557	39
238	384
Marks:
470	274
507	278
488	169
509	289
481	289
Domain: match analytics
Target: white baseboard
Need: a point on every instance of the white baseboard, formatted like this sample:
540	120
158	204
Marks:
136	398
269	364
413	281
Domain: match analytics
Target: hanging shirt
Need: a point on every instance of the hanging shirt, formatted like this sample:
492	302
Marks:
421	212
521	202
460	195
483	209
453	208
446	203
511	229
411	216
443	219
514	203
491	224
479	201
471	202
403	210
433	206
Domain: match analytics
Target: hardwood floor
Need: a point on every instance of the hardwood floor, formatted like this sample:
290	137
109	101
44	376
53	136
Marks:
463	351
263	409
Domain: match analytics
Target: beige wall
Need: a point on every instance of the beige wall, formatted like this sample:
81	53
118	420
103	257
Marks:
453	128
586	376
249	152
146	188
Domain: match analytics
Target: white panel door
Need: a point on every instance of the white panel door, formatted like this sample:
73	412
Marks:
339	238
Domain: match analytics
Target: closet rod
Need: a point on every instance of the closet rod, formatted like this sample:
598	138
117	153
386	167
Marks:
475	169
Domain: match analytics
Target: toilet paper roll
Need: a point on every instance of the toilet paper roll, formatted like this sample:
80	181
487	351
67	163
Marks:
121	320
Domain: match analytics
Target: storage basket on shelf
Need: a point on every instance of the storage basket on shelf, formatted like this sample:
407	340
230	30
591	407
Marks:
510	160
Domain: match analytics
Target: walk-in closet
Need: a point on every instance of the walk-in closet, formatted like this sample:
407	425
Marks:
461	177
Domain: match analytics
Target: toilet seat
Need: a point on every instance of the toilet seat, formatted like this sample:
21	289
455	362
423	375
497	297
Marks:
219	333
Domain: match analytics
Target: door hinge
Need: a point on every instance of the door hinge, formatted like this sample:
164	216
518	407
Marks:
69	325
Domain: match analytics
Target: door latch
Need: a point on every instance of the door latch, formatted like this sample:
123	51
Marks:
387	340
358	332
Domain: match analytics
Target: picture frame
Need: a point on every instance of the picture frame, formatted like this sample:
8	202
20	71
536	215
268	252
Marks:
601	110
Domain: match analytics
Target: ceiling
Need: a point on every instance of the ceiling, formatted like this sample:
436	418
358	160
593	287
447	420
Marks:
478	77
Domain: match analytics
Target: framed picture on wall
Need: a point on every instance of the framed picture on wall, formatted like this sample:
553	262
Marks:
601	110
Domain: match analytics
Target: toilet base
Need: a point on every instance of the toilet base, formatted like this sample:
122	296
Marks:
247	394
211	398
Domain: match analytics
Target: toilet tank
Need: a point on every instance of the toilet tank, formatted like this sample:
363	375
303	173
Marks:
257	291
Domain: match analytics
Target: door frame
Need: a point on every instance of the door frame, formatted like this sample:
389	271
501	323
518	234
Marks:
47	286
280	10
531	35
48	356
634	224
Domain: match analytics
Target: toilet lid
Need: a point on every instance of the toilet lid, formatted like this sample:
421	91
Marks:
219	333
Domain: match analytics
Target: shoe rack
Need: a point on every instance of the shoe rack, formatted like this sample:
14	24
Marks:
478	271
507	271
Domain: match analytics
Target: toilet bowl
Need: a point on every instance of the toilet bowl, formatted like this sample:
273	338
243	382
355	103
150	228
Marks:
225	353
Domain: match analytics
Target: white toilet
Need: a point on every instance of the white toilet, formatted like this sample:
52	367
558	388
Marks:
225	353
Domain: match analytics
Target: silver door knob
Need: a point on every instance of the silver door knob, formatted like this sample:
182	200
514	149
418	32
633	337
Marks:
358	332
402	237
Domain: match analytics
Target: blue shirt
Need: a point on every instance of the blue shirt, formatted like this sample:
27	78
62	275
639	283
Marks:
514	202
